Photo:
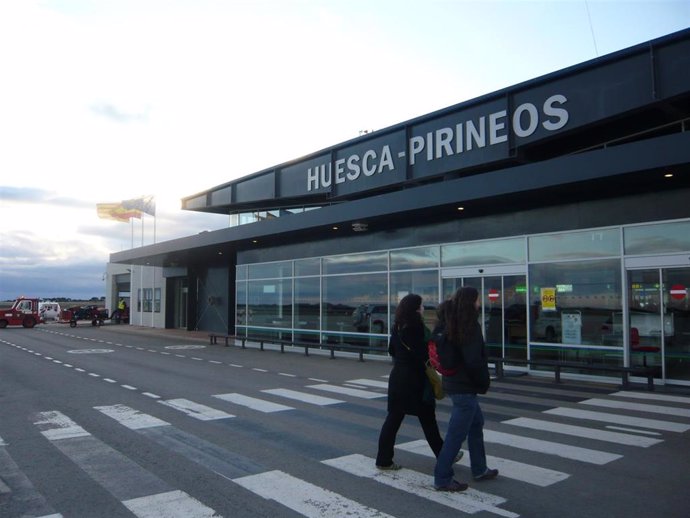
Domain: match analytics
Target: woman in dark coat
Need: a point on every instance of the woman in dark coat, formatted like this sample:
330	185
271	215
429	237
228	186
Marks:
409	392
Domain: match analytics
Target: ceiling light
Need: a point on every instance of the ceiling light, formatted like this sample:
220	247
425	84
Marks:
668	175
461	209
360	227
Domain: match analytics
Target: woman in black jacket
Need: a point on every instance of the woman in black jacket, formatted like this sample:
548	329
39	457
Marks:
464	345
408	389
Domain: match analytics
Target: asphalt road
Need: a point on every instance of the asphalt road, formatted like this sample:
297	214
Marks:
120	422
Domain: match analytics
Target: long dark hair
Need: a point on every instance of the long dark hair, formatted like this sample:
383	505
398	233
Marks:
461	315
406	313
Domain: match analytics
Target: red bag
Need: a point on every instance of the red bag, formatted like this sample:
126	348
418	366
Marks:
435	360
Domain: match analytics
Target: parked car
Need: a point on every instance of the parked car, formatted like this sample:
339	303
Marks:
548	325
371	318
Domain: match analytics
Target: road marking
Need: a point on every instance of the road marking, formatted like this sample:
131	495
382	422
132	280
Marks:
90	351
151	395
129	387
196	410
639	407
528	473
551	448
94	375
259	370
655	397
318	380
172	503
215	361
56	426
20	488
138	489
109	380
305	498
364	394
253	403
227	464
623	429
582	431
132	419
304	397
642	422
469	501
370	383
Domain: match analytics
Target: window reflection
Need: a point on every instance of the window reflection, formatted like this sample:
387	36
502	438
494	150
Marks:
654	239
574	245
415	258
424	284
307	307
571	302
501	251
269	303
355	303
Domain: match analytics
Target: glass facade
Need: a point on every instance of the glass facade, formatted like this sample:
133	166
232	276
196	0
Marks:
564	296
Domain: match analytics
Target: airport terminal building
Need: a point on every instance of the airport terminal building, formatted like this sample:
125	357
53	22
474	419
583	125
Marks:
564	200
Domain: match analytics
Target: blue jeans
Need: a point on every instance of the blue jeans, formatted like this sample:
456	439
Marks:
466	422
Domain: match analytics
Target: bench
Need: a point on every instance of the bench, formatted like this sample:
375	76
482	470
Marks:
360	349
213	338
625	372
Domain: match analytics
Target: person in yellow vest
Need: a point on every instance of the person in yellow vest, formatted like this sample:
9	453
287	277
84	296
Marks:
119	313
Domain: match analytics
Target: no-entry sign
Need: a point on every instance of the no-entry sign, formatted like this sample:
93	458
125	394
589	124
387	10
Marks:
493	294
678	292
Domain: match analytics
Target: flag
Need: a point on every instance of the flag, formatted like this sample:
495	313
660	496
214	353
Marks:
116	212
145	204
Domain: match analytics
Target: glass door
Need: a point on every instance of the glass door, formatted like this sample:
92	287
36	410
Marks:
503	312
676	329
658	321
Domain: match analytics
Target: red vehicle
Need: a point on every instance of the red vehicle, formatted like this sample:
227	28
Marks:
24	312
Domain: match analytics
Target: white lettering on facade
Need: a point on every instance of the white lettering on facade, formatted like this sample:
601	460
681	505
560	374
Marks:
532	120
465	136
560	114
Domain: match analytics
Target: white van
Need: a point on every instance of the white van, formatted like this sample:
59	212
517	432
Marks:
49	310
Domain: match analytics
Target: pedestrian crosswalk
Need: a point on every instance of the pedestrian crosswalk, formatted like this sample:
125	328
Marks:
594	432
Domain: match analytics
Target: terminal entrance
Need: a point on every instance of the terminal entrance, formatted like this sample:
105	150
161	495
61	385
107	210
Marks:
503	312
658	321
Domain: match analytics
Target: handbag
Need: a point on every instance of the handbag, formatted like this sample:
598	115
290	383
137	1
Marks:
431	375
435	380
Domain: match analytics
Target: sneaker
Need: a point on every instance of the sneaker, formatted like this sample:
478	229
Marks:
458	456
453	487
487	475
391	467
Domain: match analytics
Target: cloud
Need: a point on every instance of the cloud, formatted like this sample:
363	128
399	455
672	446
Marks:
10	194
114	113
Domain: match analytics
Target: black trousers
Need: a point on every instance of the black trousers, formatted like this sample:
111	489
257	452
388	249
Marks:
389	430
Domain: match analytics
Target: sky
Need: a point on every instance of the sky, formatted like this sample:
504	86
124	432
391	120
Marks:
108	100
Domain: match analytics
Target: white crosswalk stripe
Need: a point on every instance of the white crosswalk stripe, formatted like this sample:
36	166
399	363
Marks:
551	448
638	407
369	383
470	501
253	403
303	396
144	494
196	410
582	431
305	498
347	391
642	422
653	396
521	471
